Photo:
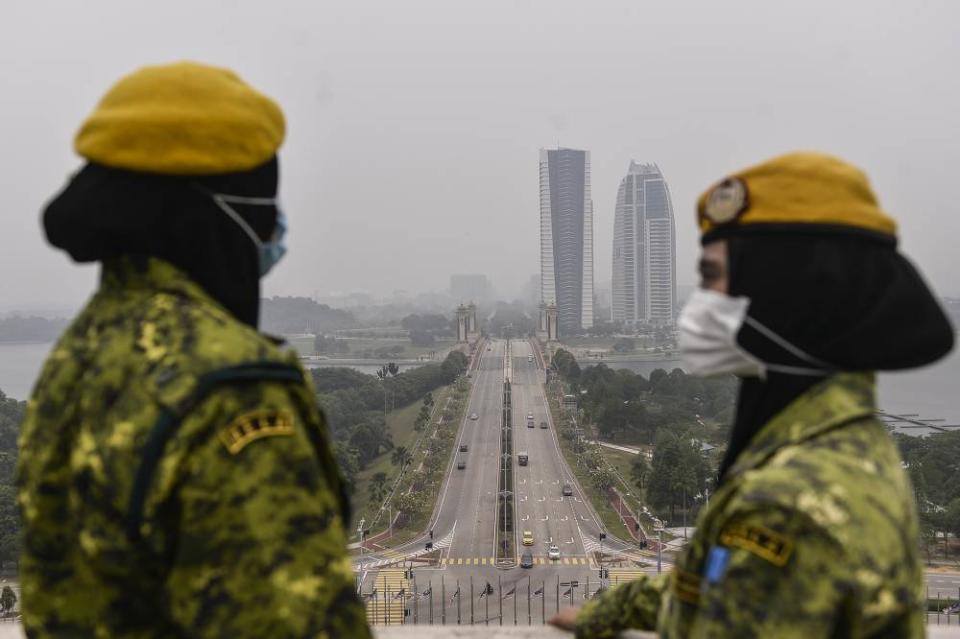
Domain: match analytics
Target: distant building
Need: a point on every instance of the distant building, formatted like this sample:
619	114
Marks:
644	249
470	287
566	237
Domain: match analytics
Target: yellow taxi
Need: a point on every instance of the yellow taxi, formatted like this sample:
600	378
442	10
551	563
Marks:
527	538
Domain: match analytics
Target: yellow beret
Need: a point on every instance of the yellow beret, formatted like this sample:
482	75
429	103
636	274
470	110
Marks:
802	190
182	119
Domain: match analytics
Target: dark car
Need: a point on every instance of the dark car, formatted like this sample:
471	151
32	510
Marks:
567	490
526	560
461	464
463	448
543	424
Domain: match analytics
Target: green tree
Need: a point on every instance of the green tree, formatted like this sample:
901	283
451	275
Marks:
8	599
566	365
678	473
409	502
378	487
640	471
401	457
951	518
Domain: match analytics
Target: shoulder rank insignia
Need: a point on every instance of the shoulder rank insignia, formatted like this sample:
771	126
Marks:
256	425
764	543
686	585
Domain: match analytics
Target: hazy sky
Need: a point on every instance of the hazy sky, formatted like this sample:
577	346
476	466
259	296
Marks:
414	127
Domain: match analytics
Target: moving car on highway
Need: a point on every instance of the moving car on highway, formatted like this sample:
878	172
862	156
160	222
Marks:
567	490
461	464
474	416
543	424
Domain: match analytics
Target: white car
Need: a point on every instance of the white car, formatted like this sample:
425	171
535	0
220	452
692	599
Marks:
553	552
529	416
474	416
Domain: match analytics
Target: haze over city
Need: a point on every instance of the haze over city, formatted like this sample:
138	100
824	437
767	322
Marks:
414	130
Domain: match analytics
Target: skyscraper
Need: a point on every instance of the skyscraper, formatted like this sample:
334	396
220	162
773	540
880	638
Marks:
566	237
644	249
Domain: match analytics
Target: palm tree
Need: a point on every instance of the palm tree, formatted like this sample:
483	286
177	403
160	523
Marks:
378	487
401	457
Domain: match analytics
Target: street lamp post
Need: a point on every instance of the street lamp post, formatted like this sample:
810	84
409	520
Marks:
659	524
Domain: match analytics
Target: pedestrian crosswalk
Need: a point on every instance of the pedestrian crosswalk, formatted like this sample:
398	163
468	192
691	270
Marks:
390	556
621	575
490	561
386	604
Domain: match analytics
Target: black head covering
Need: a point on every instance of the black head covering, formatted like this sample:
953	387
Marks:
106	213
848	299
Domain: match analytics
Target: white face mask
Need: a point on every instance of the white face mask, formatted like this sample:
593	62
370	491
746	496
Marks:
708	327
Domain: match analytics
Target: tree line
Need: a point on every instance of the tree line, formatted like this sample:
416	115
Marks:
355	405
933	463
673	412
11	414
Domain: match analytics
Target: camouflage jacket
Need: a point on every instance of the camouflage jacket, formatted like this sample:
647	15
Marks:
813	533
175	477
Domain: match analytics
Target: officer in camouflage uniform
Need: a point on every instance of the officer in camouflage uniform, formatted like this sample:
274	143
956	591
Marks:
175	475
812	531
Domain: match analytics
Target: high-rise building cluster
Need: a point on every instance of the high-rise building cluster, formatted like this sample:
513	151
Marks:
644	244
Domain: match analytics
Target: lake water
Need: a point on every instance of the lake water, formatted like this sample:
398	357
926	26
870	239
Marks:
932	392
20	364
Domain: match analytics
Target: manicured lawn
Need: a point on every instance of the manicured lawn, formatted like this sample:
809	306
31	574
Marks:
400	424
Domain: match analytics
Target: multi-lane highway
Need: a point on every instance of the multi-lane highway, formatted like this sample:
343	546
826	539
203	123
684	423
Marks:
464	524
464	521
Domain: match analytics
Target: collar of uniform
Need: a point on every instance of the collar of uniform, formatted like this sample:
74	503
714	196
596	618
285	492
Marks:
149	274
837	400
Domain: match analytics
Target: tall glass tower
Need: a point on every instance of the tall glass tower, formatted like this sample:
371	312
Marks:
644	249
566	237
